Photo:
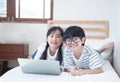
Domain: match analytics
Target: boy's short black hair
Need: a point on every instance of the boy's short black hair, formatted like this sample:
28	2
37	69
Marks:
73	31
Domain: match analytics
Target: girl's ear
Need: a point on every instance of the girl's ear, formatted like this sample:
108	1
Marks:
83	40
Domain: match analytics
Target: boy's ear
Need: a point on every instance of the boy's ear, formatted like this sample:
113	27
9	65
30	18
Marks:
83	40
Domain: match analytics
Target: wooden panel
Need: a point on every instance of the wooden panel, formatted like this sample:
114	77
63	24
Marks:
1	64
13	51
10	48
104	26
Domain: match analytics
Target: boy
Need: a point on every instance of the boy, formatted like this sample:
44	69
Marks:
79	59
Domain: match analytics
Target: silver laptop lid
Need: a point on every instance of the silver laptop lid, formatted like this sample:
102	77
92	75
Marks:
39	66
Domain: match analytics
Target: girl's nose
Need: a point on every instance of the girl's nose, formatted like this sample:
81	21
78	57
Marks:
54	38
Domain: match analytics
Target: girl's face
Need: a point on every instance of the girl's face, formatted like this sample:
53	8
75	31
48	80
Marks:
54	39
74	43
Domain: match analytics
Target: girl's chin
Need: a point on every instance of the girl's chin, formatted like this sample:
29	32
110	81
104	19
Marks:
55	46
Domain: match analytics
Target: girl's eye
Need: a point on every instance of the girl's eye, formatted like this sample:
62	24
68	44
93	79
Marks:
69	39
51	35
58	36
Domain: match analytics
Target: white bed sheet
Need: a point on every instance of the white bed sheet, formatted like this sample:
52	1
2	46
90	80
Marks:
16	75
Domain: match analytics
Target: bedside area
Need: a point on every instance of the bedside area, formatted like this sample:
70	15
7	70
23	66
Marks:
9	52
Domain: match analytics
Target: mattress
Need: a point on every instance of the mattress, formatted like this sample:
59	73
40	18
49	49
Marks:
16	75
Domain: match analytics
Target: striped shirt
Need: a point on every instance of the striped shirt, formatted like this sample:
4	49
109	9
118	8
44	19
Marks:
89	59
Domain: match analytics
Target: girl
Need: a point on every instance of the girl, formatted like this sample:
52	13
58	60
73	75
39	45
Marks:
52	49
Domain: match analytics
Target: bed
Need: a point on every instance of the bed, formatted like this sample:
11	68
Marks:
95	31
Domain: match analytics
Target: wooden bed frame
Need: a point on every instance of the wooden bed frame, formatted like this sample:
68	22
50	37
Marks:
101	26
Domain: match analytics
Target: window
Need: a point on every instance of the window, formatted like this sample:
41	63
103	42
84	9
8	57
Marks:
26	10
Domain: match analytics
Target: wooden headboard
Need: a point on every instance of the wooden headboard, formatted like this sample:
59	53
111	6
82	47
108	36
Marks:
94	29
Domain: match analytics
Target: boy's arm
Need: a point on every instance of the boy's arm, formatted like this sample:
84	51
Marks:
90	71
77	72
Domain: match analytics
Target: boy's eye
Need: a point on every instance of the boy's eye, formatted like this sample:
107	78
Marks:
76	38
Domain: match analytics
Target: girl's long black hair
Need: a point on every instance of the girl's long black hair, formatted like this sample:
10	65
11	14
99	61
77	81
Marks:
59	54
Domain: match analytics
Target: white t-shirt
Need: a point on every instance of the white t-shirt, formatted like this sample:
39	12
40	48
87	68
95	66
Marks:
41	49
49	57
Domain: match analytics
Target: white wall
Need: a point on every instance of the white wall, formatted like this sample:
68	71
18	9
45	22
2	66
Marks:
34	34
115	32
82	9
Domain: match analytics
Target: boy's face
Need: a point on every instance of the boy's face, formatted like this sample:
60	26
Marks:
74	43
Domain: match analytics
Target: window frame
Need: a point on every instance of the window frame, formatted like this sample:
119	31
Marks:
11	14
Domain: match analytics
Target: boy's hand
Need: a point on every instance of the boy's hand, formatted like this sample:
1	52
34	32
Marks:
74	70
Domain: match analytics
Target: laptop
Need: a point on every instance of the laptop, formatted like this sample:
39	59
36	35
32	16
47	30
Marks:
49	67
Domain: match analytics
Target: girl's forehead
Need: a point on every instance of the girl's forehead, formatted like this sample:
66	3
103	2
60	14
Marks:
55	32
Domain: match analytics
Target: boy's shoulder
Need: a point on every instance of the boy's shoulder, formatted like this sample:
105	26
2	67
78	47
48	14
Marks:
89	49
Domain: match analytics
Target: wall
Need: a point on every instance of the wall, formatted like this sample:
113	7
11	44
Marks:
34	34
115	32
82	9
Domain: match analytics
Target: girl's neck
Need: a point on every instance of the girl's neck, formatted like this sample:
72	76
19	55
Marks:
52	52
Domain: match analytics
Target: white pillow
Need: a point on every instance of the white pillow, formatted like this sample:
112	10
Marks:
97	44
